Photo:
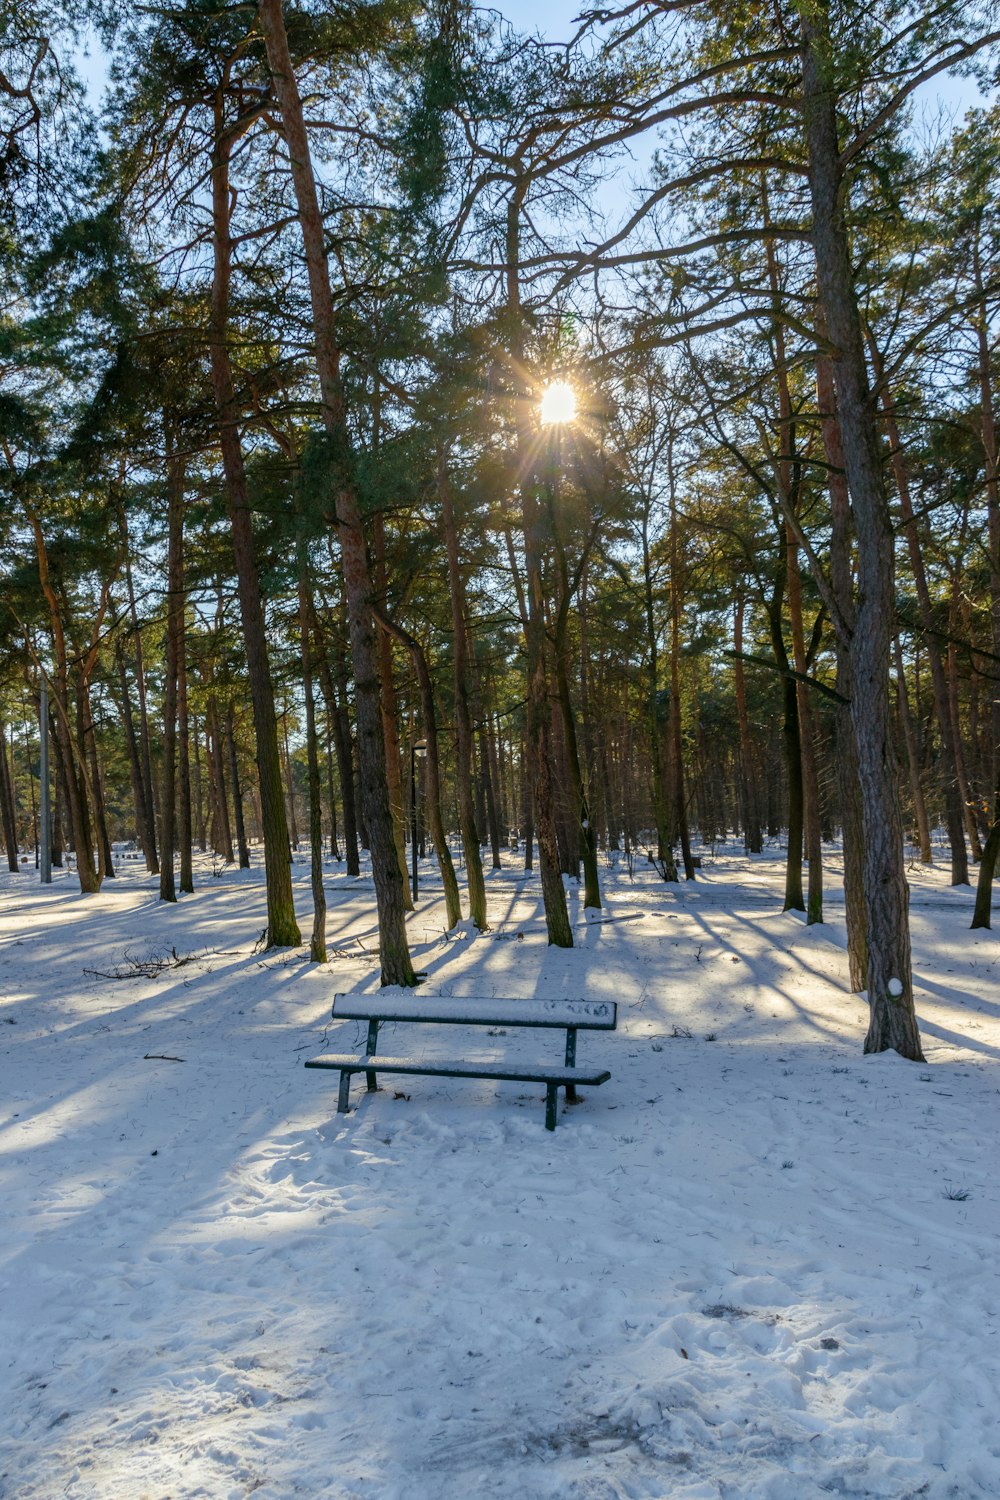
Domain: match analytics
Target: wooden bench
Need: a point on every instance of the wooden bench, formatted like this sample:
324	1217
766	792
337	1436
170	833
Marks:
570	1016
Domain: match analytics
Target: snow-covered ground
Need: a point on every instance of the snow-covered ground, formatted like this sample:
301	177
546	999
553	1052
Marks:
753	1264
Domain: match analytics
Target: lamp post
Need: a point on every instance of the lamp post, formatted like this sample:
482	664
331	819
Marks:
418	749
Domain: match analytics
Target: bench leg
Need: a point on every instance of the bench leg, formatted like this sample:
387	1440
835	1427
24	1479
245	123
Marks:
571	1097
372	1045
551	1104
345	1091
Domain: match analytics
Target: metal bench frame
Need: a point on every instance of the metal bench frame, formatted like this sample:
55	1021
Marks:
569	1015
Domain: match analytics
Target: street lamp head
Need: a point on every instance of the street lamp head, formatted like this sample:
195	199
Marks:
558	404
420	748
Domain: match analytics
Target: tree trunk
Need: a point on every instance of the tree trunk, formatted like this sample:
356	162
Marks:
991	847
913	762
330	786
463	717
199	801
185	827
890	987
432	794
396	966
807	738
7	805
147	819
242	848
341	730
749	794
845	742
223	832
317	941
390	713
954	815
282	928
88	739
175	631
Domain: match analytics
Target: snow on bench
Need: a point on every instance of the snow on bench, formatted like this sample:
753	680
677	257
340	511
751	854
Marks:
439	1010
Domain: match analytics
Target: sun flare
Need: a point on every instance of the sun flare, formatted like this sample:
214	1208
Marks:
558	403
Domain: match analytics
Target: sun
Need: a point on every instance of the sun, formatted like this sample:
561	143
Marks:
558	404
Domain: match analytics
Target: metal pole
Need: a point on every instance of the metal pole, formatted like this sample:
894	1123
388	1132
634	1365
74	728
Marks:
413	815
45	815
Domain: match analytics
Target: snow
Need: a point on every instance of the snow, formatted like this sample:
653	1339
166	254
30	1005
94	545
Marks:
755	1263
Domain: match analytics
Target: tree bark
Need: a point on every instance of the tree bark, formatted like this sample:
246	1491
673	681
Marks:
147	819
913	761
396	966
7	804
845	741
223	839
282	928
242	849
468	831
892	1019
953	801
390	714
317	941
175	627
432	795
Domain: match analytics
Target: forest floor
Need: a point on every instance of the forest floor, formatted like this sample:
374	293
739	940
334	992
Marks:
755	1264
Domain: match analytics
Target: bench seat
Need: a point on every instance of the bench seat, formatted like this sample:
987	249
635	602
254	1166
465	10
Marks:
587	1015
553	1077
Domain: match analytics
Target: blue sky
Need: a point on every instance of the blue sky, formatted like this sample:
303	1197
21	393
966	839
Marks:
554	18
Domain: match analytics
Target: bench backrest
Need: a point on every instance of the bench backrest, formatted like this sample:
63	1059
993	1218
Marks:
587	1015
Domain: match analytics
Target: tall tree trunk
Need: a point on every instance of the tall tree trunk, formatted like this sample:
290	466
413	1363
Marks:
913	760
527	811
331	790
390	712
991	453
185	827
7	805
586	841
124	706
432	795
175	647
892	1019
845	741
953	799
560	934
317	941
72	753
224	837
88	739
961	775
390	892
242	848
557	923
749	794
463	715
57	803
282	928
293	827
807	739
199	801
340	726
675	723
806	782
147	821
791	739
